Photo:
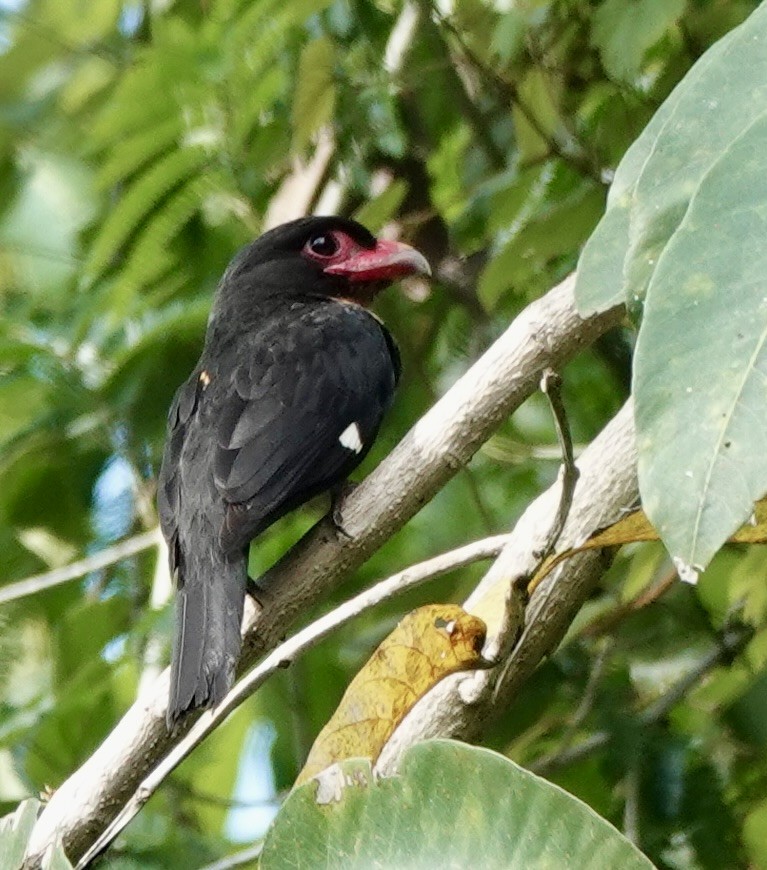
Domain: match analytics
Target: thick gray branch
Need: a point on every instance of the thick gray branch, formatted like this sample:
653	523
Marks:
459	705
546	334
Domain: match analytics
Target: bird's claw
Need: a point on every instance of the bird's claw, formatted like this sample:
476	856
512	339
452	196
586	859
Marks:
337	497
256	592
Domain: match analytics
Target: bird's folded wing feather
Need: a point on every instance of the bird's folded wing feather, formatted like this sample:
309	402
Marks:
181	410
280	437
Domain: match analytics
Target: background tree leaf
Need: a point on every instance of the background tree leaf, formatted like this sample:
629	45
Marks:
624	31
15	830
315	93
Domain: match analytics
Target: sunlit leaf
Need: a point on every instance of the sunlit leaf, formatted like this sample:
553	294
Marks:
314	96
635	527
380	209
429	643
449	804
625	29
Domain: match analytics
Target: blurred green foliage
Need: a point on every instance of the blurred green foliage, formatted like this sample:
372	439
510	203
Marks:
140	145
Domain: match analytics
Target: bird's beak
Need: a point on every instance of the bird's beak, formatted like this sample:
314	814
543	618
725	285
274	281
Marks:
387	261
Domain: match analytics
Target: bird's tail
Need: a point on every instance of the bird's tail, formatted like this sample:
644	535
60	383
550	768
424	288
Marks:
209	604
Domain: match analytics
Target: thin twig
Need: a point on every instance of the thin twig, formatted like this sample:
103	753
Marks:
244	856
520	588
589	694
551	386
607	622
102	559
281	657
548	764
188	792
631	805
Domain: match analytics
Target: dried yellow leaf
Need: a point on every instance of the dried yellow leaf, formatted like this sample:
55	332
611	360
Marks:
428	644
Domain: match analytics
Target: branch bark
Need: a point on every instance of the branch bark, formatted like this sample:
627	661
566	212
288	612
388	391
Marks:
546	334
460	705
282	656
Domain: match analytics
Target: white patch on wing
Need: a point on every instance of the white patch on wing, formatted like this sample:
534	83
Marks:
350	438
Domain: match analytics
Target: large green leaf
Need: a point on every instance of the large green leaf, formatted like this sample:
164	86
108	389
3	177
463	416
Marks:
701	361
721	96
449	805
685	230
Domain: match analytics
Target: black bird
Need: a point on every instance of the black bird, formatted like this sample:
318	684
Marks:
285	401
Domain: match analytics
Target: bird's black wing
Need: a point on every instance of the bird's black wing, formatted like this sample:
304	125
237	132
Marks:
169	481
303	407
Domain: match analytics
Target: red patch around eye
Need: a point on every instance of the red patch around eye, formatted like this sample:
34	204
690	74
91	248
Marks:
330	248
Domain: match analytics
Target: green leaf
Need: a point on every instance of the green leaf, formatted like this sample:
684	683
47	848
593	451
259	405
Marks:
151	255
85	84
15	831
508	41
539	90
601	282
551	231
22	397
755	834
624	30
449	804
700	398
129	153
80	22
315	93
375	213
264	93
39	230
684	228
85	630
721	96
219	763
141	198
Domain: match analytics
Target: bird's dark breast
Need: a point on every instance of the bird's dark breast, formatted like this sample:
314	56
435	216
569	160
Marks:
285	409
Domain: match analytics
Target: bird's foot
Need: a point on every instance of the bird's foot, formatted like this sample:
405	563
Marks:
256	592
337	497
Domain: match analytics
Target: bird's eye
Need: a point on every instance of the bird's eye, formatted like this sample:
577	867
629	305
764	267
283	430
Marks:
324	245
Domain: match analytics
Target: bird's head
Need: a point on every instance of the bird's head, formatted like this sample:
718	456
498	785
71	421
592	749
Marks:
324	256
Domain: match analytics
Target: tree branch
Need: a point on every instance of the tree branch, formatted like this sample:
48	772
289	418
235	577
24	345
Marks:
547	333
461	704
282	656
238	859
551	384
102	559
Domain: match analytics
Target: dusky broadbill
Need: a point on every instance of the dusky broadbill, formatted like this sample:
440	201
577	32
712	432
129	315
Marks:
286	400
